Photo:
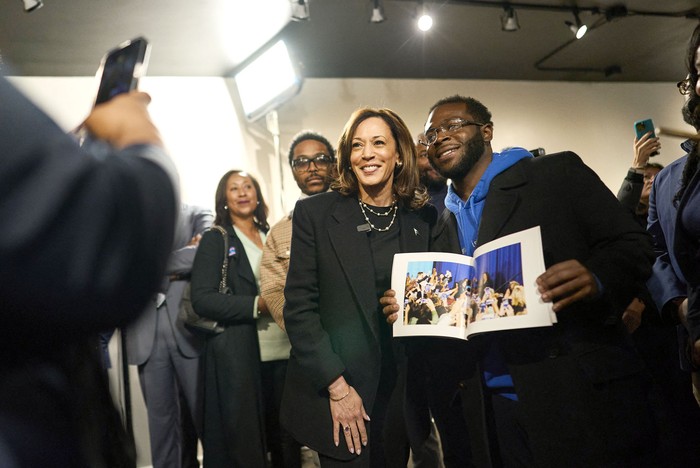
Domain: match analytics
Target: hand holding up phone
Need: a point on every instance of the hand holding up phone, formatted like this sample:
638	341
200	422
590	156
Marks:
646	144
121	68
123	121
118	73
645	147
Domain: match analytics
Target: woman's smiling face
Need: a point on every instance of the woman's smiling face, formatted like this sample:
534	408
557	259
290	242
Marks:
374	156
241	197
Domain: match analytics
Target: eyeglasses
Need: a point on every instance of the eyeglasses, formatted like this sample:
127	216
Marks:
450	126
684	86
303	164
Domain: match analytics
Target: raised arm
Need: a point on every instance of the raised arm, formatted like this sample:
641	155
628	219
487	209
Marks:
82	234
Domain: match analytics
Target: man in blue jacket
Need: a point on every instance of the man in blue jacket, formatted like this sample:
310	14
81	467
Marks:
573	394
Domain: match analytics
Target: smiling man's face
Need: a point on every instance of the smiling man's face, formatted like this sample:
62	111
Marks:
455	153
317	178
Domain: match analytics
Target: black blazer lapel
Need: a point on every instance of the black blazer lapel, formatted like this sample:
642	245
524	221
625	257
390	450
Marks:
445	237
415	232
352	249
238	262
500	203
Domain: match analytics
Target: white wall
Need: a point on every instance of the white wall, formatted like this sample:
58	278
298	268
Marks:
195	116
201	126
593	119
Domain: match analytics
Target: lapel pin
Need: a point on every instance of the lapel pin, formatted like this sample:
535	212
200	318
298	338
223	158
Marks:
415	231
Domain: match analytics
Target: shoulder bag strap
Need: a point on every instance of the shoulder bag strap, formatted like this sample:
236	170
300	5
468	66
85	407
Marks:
223	285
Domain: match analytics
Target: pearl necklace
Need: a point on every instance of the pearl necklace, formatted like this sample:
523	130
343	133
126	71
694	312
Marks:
394	209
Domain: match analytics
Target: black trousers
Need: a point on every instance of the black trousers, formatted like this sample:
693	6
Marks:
285	452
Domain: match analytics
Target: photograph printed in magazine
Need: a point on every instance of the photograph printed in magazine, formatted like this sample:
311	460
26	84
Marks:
455	296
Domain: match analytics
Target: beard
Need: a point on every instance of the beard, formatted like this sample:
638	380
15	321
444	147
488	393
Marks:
467	160
316	188
691	111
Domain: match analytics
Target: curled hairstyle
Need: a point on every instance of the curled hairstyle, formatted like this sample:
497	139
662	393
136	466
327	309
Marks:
222	214
693	45
406	187
309	135
477	109
692	163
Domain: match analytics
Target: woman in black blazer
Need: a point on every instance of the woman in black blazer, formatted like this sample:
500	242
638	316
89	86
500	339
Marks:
234	428
342	368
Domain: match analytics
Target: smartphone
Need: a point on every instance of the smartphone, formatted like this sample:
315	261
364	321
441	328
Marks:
642	127
121	68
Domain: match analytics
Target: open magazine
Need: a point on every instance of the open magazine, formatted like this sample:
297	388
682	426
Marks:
455	296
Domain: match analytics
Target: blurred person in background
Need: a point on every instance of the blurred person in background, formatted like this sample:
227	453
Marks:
433	181
168	354
87	233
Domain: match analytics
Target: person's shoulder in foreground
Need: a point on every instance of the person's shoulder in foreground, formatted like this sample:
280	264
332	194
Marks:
82	230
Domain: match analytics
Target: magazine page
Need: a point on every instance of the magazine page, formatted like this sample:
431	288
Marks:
435	288
453	295
507	296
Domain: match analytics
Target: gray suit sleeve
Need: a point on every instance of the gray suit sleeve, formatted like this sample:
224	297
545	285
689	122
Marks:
197	220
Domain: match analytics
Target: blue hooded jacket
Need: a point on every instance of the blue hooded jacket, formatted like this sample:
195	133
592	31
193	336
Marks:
468	213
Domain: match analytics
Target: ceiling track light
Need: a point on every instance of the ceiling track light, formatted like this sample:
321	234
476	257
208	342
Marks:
578	28
509	20
377	12
31	5
425	21
300	10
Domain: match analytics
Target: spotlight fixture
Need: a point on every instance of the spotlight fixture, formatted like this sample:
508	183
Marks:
425	21
509	20
300	10
377	12
579	29
267	81
31	5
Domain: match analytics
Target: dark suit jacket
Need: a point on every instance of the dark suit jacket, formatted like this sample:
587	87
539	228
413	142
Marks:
331	311
83	247
570	378
687	252
233	417
667	281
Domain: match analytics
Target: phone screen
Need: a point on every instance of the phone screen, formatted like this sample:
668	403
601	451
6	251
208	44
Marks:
642	127
121	68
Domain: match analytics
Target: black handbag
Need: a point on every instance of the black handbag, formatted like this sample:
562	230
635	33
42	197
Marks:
187	314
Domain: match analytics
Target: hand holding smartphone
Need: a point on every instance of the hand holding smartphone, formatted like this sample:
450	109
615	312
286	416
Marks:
642	127
121	68
119	72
